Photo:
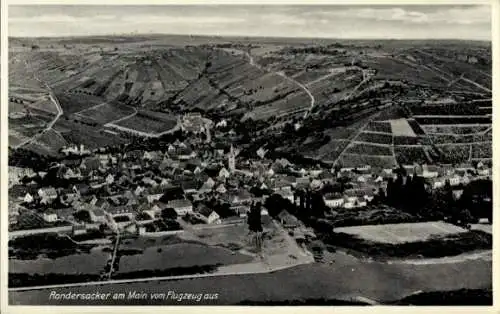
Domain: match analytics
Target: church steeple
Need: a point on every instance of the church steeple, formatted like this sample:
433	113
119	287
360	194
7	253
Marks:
231	160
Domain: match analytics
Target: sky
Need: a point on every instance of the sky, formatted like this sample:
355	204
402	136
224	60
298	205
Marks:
316	21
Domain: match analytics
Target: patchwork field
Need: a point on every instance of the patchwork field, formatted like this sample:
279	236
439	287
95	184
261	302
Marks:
147	123
79	133
326	85
401	127
106	112
401	233
73	103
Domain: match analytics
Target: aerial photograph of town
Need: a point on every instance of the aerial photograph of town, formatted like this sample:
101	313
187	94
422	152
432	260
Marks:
250	155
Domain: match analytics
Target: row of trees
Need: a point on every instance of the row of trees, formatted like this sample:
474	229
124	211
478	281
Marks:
410	194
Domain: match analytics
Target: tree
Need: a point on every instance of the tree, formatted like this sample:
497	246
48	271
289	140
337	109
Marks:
82	215
275	204
254	218
168	213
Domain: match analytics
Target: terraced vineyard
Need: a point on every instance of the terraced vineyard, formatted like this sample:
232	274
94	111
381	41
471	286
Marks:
350	98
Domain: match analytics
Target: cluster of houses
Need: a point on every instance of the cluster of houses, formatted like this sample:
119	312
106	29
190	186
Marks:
189	178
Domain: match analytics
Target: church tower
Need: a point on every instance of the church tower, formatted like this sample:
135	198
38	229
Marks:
231	160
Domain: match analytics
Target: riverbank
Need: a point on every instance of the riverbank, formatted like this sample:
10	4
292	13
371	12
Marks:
347	278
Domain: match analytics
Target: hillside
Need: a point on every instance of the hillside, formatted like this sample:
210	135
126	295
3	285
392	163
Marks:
341	102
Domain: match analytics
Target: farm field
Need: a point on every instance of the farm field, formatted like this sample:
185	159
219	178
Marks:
27	126
377	138
357	160
182	255
480	119
367	149
78	264
409	155
330	151
275	82
73	103
455	129
48	143
401	127
455	153
79	133
401	233
106	112
379	126
15	107
480	151
148	122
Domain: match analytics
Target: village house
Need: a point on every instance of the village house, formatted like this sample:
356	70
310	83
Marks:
326	177
90	164
437	183
110	179
412	169
346	169
350	199
97	215
104	160
430	171
221	189
464	167
207	186
287	220
181	206
457	194
214	218
280	185
333	200
13	215
139	190
72	174
185	153
315	184
149	182
97	184
302	183
47	195
157	208
224	174
286	194
153	197
28	198
241	210
102	204
483	170
50	216
364	168
78	229
121	211
65	214
315	172
69	197
446	170
454	180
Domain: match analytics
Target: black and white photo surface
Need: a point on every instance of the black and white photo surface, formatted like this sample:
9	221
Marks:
250	155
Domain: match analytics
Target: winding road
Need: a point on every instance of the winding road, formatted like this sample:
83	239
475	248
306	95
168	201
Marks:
54	99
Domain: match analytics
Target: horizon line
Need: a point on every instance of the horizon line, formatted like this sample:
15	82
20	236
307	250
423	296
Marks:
241	36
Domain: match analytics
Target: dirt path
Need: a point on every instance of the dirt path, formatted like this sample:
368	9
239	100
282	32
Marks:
54	99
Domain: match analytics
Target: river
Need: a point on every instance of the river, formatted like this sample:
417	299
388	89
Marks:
346	278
